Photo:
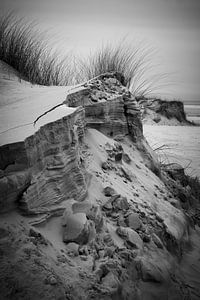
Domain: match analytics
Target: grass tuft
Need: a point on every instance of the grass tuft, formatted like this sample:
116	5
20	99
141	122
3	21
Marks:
26	49
133	62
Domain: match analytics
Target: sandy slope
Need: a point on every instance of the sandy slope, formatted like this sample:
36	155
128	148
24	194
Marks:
58	273
190	264
42	266
21	103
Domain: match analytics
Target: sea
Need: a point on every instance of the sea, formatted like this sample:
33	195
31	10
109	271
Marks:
192	110
180	144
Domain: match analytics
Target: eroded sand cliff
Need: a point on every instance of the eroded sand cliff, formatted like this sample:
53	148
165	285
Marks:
162	112
87	211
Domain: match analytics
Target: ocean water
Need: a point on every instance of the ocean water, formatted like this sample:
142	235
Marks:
192	112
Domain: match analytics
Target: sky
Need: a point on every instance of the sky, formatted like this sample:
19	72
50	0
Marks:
172	27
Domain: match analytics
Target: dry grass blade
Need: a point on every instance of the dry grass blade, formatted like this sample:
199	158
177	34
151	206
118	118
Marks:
134	62
26	49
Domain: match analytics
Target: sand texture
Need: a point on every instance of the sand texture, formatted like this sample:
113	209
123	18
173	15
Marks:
87	210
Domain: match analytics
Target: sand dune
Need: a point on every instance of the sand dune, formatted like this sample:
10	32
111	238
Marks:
21	103
130	235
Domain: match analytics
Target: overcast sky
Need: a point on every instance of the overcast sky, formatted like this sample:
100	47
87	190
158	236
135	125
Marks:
171	26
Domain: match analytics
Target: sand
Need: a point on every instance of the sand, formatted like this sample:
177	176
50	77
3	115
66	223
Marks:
60	273
181	145
41	267
21	103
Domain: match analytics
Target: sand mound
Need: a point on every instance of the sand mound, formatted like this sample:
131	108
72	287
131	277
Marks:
21	103
87	213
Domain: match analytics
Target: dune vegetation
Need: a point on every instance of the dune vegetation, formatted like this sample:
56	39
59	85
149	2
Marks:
28	50
25	48
133	60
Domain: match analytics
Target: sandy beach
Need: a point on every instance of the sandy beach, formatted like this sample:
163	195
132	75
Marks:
181	144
